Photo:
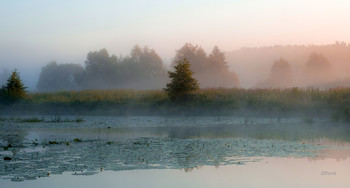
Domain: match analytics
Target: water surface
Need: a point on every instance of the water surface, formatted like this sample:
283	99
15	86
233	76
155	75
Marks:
173	152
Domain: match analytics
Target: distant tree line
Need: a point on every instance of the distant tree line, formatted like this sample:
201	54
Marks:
253	64
144	69
55	76
317	70
141	69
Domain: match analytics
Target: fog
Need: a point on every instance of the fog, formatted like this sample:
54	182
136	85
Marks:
321	66
29	61
254	35
310	65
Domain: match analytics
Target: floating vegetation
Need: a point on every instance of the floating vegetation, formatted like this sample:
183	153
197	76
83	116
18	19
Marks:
30	120
56	119
7	147
79	120
59	120
53	142
87	158
7	158
139	142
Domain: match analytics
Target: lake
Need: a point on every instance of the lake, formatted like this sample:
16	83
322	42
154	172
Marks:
144	151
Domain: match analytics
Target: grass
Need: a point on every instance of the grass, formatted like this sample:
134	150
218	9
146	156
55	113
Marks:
335	103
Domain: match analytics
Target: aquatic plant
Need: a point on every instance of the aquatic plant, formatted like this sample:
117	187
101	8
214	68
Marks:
53	142
30	120
79	120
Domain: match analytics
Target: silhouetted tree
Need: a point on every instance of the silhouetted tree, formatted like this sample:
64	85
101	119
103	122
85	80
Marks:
58	77
318	69
220	74
218	60
14	88
280	75
101	71
210	70
182	83
142	69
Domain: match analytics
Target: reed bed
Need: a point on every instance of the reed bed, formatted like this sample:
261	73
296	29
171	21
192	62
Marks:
334	102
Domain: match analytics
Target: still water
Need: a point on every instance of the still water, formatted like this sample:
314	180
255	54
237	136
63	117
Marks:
173	152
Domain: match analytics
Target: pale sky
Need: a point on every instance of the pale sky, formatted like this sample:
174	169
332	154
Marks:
34	32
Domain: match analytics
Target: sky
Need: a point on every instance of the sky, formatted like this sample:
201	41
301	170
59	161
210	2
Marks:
35	32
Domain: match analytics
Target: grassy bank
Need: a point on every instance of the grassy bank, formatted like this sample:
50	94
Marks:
333	103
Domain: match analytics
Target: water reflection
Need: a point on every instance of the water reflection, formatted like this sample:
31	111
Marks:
42	150
88	156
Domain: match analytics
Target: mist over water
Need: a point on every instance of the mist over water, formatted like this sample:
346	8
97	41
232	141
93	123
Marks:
197	93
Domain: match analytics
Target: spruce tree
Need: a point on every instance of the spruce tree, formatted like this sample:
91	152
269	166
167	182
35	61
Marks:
182	83
14	88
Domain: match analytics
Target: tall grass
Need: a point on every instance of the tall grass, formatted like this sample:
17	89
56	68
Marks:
91	96
333	102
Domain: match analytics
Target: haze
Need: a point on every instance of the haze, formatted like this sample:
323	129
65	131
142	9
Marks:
33	33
